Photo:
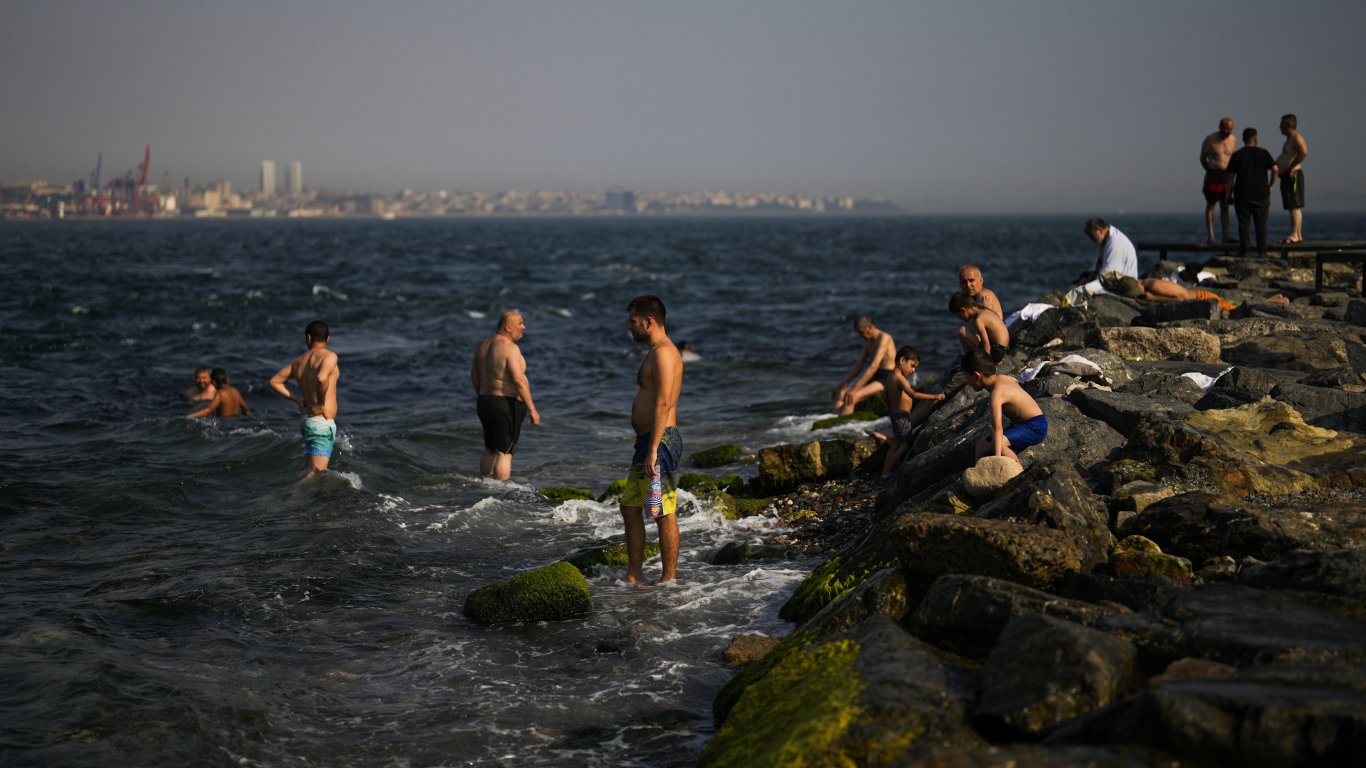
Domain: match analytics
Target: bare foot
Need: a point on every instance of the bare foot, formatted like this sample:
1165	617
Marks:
881	438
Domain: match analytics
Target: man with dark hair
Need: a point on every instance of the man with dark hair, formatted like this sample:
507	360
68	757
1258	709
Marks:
316	373
498	373
1254	174
981	329
874	366
1028	425
1115	256
650	484
203	385
1290	163
226	402
1215	151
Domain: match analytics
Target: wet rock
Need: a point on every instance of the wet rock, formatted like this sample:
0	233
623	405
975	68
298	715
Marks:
1340	572
1047	671
985	479
837	576
1249	379
1044	756
931	546
717	456
1356	312
549	593
1323	407
1291	348
1255	718
723	503
1056	497
1124	411
747	649
1201	526
1158	343
1227	397
1140	555
1134	497
869	696
560	494
1133	592
610	552
1262	447
1114	310
965	613
1336	378
1070	325
787	466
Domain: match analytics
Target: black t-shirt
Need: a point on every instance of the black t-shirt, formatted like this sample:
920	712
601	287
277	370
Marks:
1251	165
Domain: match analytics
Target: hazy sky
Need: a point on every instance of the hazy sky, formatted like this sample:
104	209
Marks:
960	106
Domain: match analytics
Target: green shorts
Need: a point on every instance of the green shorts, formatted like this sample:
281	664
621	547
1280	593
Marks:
319	435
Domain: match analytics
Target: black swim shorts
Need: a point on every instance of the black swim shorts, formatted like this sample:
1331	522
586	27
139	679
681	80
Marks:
1292	191
501	418
1218	187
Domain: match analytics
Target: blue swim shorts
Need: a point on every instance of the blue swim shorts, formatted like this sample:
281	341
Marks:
638	481
319	435
1023	435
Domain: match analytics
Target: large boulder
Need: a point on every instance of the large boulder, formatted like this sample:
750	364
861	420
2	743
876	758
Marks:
786	466
1289	346
1056	497
1159	313
1324	407
1124	411
548	593
1166	385
869	696
1158	343
1203	526
1046	671
933	545
1065	326
1263	448
1339	572
965	613
985	479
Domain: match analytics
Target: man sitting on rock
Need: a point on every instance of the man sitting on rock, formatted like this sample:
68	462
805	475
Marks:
1028	428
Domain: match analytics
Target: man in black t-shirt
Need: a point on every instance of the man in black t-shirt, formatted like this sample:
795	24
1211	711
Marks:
1254	173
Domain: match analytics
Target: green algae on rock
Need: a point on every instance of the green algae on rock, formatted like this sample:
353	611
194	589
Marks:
719	456
820	588
562	493
611	552
549	593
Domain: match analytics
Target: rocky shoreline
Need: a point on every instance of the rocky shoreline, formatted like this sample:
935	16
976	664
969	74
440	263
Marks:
1177	577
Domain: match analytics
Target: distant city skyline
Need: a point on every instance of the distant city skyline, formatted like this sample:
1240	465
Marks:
990	107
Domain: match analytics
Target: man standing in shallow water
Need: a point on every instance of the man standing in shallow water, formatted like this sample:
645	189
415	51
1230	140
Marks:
498	373
316	372
658	445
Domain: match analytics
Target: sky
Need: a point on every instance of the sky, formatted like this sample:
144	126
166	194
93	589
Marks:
971	106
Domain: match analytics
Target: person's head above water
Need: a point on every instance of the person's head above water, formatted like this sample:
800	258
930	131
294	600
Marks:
219	376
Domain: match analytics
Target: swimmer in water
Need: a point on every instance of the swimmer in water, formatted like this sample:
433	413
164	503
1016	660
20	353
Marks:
226	402
685	352
203	386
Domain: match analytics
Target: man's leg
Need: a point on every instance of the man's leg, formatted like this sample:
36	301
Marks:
502	466
317	464
863	393
668	545
1296	225
1223	218
1209	220
1244	213
487	461
635	542
1259	214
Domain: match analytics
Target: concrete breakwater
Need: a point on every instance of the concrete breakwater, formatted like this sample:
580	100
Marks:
1177	577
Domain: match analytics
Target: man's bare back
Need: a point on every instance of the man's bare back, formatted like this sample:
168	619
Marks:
226	402
316	372
492	360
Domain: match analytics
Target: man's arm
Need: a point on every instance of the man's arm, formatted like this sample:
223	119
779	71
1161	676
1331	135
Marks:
277	383
1275	174
979	324
1206	149
474	368
208	409
668	379
1301	154
517	372
997	430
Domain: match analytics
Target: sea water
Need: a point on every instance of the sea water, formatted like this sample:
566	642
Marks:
171	594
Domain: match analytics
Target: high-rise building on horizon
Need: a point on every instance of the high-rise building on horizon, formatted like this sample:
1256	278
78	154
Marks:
268	178
294	179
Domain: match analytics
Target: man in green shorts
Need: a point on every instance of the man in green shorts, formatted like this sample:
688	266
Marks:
316	372
658	446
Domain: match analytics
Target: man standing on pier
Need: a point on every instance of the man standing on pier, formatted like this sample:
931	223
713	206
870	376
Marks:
658	445
316	372
1254	174
1215	152
498	373
1290	163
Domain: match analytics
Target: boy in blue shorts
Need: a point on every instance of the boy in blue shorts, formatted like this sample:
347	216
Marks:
1028	425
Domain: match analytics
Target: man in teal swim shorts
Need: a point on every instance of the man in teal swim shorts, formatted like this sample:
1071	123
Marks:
316	372
658	446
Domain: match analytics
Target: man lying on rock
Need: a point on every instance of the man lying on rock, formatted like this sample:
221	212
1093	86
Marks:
1028	425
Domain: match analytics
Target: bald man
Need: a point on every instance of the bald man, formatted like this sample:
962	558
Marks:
1215	152
498	373
971	282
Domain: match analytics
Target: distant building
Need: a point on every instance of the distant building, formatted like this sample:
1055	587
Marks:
294	179
619	199
268	178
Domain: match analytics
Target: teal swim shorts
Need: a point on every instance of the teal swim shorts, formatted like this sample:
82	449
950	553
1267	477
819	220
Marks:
319	435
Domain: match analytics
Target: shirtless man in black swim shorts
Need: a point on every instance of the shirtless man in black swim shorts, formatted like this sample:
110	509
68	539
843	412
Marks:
498	373
1215	151
870	374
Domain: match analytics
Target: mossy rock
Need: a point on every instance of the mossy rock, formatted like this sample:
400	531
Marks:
724	503
562	493
788	515
696	482
614	490
719	456
610	553
817	590
549	593
751	507
1126	562
835	421
804	701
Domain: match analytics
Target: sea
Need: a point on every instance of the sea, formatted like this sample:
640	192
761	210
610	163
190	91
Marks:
172	593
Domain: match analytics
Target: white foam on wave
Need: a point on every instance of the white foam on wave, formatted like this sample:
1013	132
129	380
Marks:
351	479
321	290
253	295
79	310
798	427
474	313
562	312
